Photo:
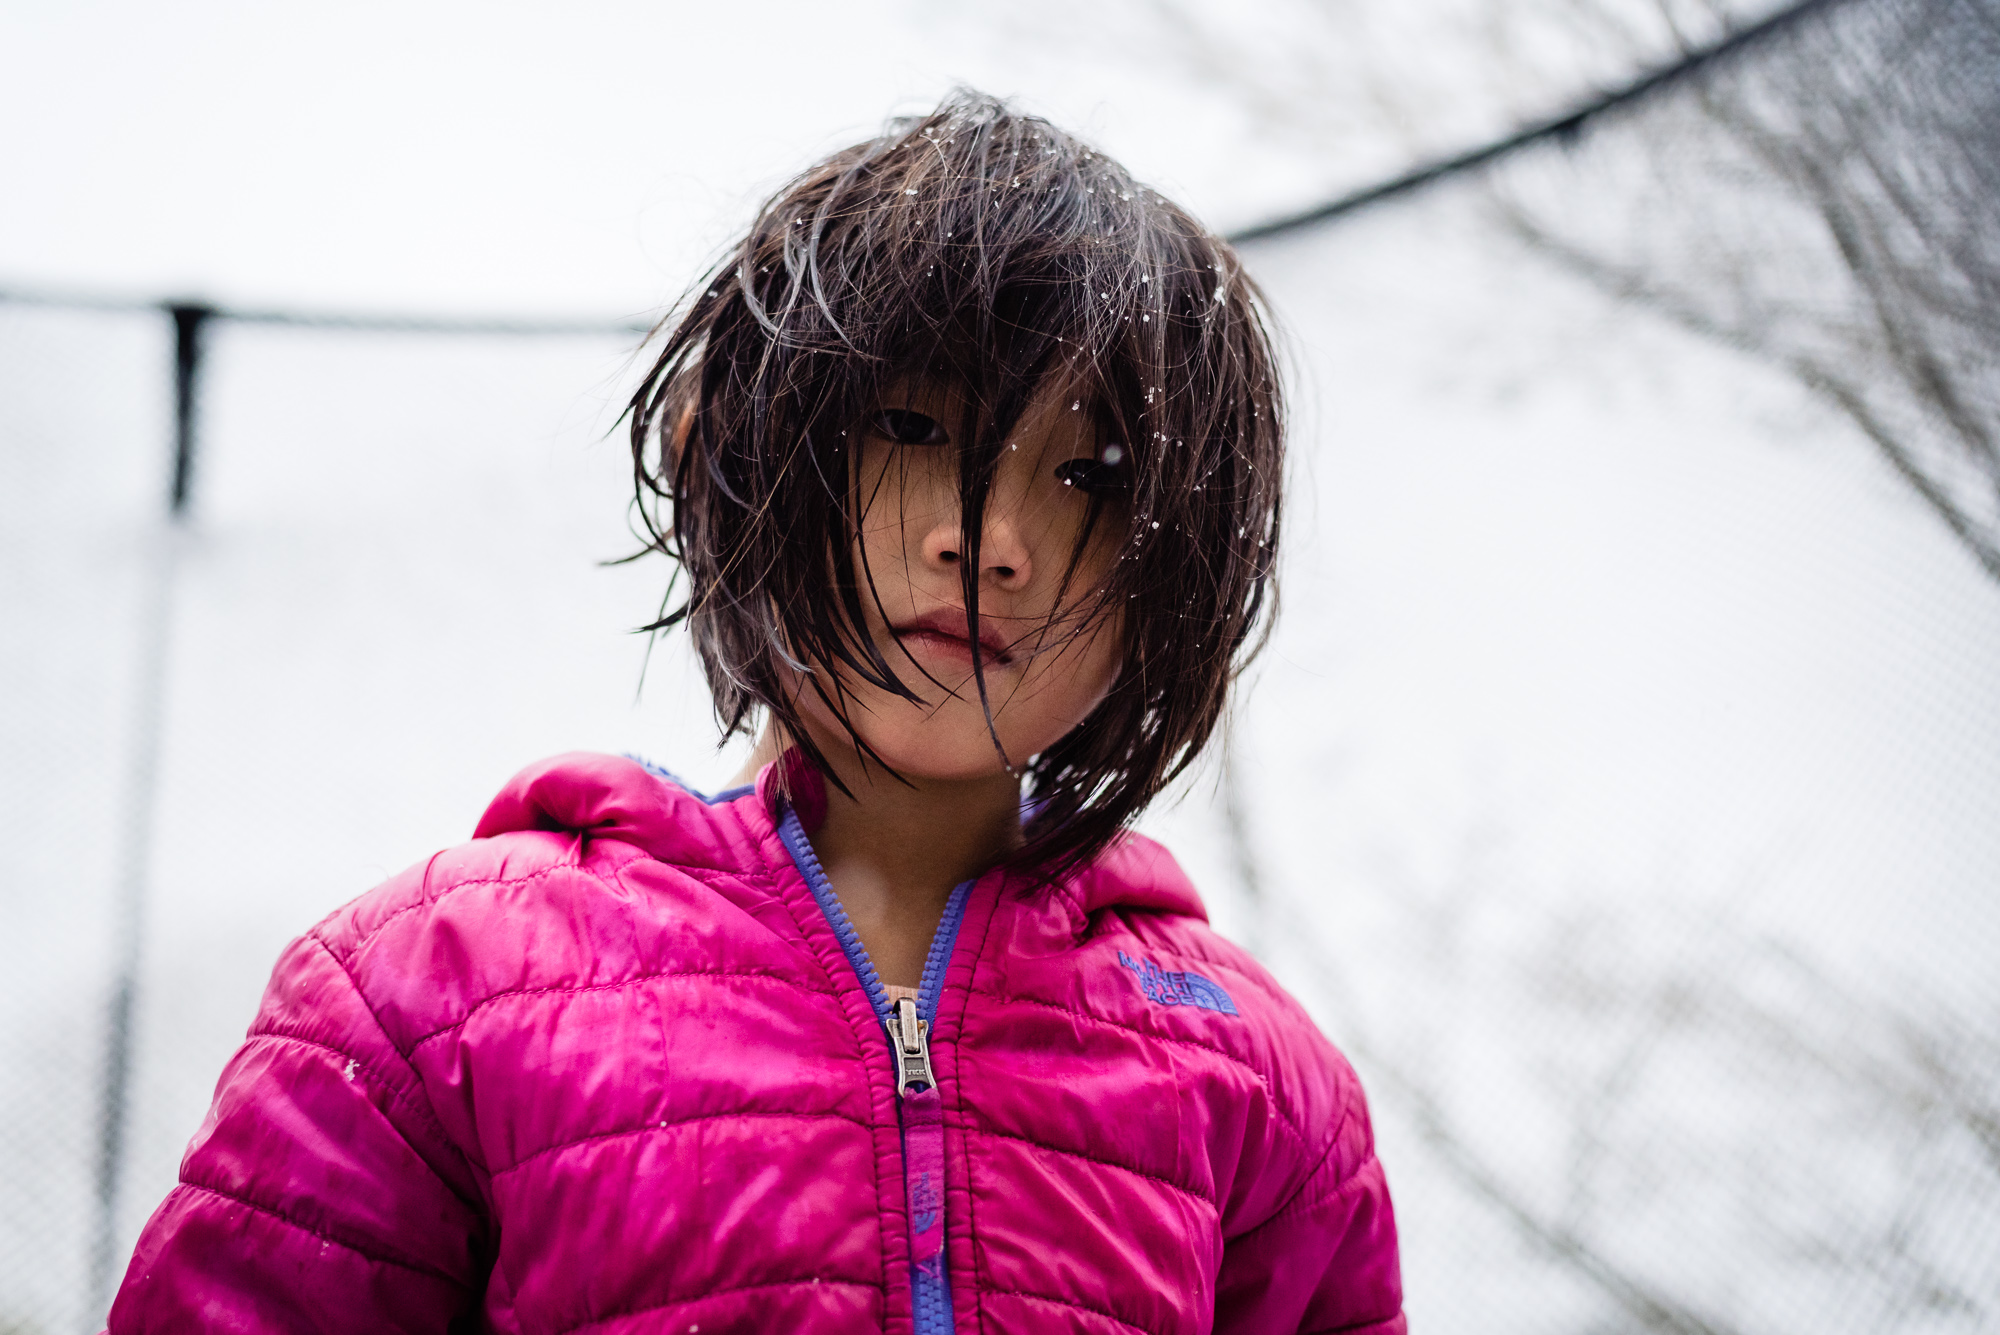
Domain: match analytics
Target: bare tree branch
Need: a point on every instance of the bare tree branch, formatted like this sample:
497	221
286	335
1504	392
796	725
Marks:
1869	149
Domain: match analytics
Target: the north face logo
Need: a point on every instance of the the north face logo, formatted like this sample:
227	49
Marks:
1173	987
924	1204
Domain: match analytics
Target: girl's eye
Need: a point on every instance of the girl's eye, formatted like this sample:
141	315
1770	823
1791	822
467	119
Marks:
1095	477
906	427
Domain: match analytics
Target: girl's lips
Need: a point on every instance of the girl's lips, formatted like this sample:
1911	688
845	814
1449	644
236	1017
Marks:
952	648
943	633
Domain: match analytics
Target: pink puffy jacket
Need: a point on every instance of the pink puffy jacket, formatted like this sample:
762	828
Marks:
620	1065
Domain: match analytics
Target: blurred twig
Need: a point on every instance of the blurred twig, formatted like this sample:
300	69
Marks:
1871	147
1791	1066
1653	1309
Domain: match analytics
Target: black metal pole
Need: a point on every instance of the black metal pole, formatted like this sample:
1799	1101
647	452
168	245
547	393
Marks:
190	322
111	1135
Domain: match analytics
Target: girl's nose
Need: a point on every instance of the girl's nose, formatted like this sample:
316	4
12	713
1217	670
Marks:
1003	554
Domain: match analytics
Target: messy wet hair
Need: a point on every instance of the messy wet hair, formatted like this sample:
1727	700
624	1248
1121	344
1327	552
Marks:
999	254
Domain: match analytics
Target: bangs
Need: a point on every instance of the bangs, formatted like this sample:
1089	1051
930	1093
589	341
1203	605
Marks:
990	251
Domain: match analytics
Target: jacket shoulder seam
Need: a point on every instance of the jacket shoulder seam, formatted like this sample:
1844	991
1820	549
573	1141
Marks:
628	981
1299	1202
382	1029
425	899
377	1255
421	1109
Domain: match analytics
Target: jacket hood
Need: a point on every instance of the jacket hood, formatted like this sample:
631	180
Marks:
611	797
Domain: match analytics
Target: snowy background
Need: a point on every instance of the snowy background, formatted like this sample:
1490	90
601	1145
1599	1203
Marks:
1621	788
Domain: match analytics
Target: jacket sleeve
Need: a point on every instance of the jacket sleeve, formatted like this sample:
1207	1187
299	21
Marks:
320	1193
1326	1260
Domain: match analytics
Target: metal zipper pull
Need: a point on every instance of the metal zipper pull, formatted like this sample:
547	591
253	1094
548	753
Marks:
912	1038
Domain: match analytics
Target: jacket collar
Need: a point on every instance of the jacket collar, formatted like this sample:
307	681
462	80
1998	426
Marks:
610	797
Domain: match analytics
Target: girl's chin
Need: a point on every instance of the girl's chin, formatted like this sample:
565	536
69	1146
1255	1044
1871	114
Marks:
956	760
951	744
947	742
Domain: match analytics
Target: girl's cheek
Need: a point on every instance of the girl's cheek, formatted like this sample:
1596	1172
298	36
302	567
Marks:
1087	668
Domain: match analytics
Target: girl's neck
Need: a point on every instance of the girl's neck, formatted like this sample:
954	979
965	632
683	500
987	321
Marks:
893	849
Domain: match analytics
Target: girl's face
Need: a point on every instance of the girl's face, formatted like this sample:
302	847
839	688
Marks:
1045	668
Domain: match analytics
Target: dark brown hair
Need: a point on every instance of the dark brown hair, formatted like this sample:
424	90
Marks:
993	250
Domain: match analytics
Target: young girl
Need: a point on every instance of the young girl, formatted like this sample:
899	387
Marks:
969	454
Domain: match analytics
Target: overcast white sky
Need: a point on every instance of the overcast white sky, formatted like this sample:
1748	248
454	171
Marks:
579	159
572	159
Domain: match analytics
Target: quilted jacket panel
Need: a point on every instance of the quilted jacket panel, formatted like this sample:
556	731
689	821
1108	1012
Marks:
607	1068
